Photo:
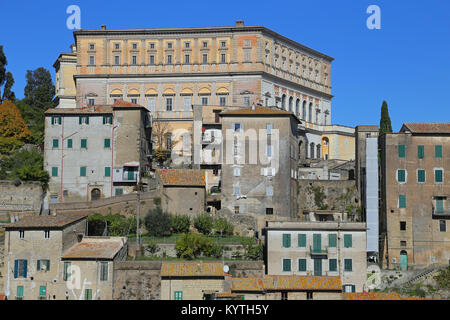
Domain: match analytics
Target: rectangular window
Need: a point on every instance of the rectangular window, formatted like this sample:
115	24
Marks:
116	46
169	59
269	128
205	58
43	265
83	120
332	265
46	234
222	101
169	45
439	205
21	234
247	101
151	60
223	44
103	271
332	240
67	271
42	291
204	101
91	102
223	58
402	201
269	191
236	127
205	44
438	175
186	59
236	209
420	152
269	211
403	225
187	45
401	151
236	190
20	268
302	240
82	171
118	191
91	60
56	119
286	240
54	171
19	293
442	226
116	60
107	171
169	104
348	241
401	175
134	100
237	172
301	264
348	265
152	45
69	143
134	46
83	143
107	119
247	55
286	264
178	295
438	151
55	143
107	143
87	294
420	175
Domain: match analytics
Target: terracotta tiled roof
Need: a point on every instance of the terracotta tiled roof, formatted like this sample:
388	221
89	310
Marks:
58	221
95	248
192	269
182	177
122	103
226	295
370	296
256	110
2	296
83	110
426	127
276	283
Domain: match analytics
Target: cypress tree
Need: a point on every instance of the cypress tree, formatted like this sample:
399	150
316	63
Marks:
385	121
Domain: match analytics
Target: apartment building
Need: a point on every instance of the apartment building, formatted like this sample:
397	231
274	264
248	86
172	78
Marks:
96	151
414	206
325	248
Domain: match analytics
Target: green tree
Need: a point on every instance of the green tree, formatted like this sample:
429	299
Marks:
180	223
203	223
8	94
157	222
252	250
13	130
385	121
223	226
192	245
3	63
39	90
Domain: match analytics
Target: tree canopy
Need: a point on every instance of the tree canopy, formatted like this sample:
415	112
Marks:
3	63
39	90
13	130
8	94
385	121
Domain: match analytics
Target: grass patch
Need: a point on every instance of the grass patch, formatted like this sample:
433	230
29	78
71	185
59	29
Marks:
174	237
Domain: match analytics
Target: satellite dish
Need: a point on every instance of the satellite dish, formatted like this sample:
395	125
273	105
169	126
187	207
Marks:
226	268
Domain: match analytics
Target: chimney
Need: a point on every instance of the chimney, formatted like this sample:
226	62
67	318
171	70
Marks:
239	23
103	26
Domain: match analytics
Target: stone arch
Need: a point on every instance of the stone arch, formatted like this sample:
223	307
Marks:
95	194
290	104
283	102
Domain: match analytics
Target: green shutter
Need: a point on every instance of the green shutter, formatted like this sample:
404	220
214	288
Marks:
401	151
302	240
107	171
82	171
87	119
317	242
332	240
402	201
348	265
79	120
420	152
438	175
104	119
439	206
438	151
42	291
286	240
178	295
69	143
301	264
347	240
19	291
83	143
104	271
87	294
107	143
53	120
286	264
67	271
420	175
54	171
332	265
38	265
55	143
401	175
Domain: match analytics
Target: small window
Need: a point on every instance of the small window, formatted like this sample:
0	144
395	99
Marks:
91	102
237	172
55	143
134	100
21	234
169	59
178	295
69	143
169	45
286	240
151	60
348	240
91	60
103	271
269	128
223	101
204	101
107	171
82	171
348	264
269	191
118	191
107	119
83	120
67	271
332	240
442	226
43	265
56	120
87	294
46	234
286	265
117	46
91	46
302	265
169	104
205	58
116	60
83	144
438	151
187	45
269	211
205	44
223	44
223	58
134	60
236	190
152	45
403	225
186	59
421	152
236	127
403	243
401	175
236	209
54	171
302	240
332	265
402	201
420	175
438	175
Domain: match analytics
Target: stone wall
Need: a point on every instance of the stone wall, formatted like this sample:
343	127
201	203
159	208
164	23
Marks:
12	197
141	280
337	195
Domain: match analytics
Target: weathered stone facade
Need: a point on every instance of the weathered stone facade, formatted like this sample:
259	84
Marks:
26	196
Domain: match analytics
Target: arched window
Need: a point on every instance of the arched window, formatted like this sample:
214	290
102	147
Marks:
297	107
310	112
318	151
311	150
283	101
304	110
290	104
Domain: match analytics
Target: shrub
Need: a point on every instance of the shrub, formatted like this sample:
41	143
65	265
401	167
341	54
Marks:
115	224
192	245
157	201
157	223
252	251
222	226
203	223
180	223
212	249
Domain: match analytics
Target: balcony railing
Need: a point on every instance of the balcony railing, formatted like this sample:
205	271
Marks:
318	251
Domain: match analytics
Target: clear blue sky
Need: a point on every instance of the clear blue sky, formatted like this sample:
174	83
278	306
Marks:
407	62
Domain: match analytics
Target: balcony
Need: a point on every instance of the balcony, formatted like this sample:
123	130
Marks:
318	251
